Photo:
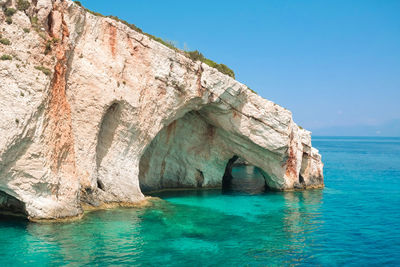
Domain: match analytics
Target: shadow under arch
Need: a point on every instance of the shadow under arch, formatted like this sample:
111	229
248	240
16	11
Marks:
11	206
177	156
241	176
108	127
191	152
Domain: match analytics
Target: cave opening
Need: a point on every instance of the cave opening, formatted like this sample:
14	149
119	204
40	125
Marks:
242	177
187	153
193	152
11	206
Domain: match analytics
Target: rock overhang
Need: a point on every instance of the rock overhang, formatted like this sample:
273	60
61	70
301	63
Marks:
49	160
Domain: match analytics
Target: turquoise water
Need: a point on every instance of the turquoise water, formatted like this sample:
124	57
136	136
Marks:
355	220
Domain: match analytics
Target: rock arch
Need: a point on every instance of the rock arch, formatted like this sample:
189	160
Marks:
198	151
114	174
102	122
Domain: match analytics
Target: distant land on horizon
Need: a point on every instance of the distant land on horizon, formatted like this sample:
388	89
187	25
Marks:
387	129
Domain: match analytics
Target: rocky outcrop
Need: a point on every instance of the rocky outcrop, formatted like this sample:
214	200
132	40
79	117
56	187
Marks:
93	112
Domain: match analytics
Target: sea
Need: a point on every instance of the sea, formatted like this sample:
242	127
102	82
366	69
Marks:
353	221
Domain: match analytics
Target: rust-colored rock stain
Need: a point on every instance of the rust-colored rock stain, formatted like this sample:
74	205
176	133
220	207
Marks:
291	162
112	38
59	124
211	130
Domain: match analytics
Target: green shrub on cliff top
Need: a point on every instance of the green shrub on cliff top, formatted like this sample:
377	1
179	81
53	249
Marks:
44	70
164	42
47	48
9	11
132	26
23	5
35	22
196	55
6	57
5	41
252	90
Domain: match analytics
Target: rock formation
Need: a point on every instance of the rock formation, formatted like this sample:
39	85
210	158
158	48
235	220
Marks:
94	112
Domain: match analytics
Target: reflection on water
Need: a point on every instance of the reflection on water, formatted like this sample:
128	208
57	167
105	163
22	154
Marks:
187	228
353	221
246	179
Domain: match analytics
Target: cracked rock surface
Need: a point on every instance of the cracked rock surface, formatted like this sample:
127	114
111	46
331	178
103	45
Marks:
93	112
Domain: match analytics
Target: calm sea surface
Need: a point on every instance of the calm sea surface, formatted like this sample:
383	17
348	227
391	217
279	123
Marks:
355	220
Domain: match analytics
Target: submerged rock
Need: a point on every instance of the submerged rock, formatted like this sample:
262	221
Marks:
94	112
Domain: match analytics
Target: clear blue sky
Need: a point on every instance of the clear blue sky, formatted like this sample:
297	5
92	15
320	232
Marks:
332	63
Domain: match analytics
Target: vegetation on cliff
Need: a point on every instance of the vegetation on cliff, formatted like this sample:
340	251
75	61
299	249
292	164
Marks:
6	57
194	55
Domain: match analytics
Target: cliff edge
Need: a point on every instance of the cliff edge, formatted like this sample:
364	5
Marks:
94	112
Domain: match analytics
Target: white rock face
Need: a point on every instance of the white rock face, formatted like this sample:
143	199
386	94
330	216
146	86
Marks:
121	112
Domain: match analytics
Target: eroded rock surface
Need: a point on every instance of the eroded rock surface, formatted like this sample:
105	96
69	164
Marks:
117	113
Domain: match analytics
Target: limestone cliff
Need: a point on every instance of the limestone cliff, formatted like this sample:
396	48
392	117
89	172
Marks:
94	112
